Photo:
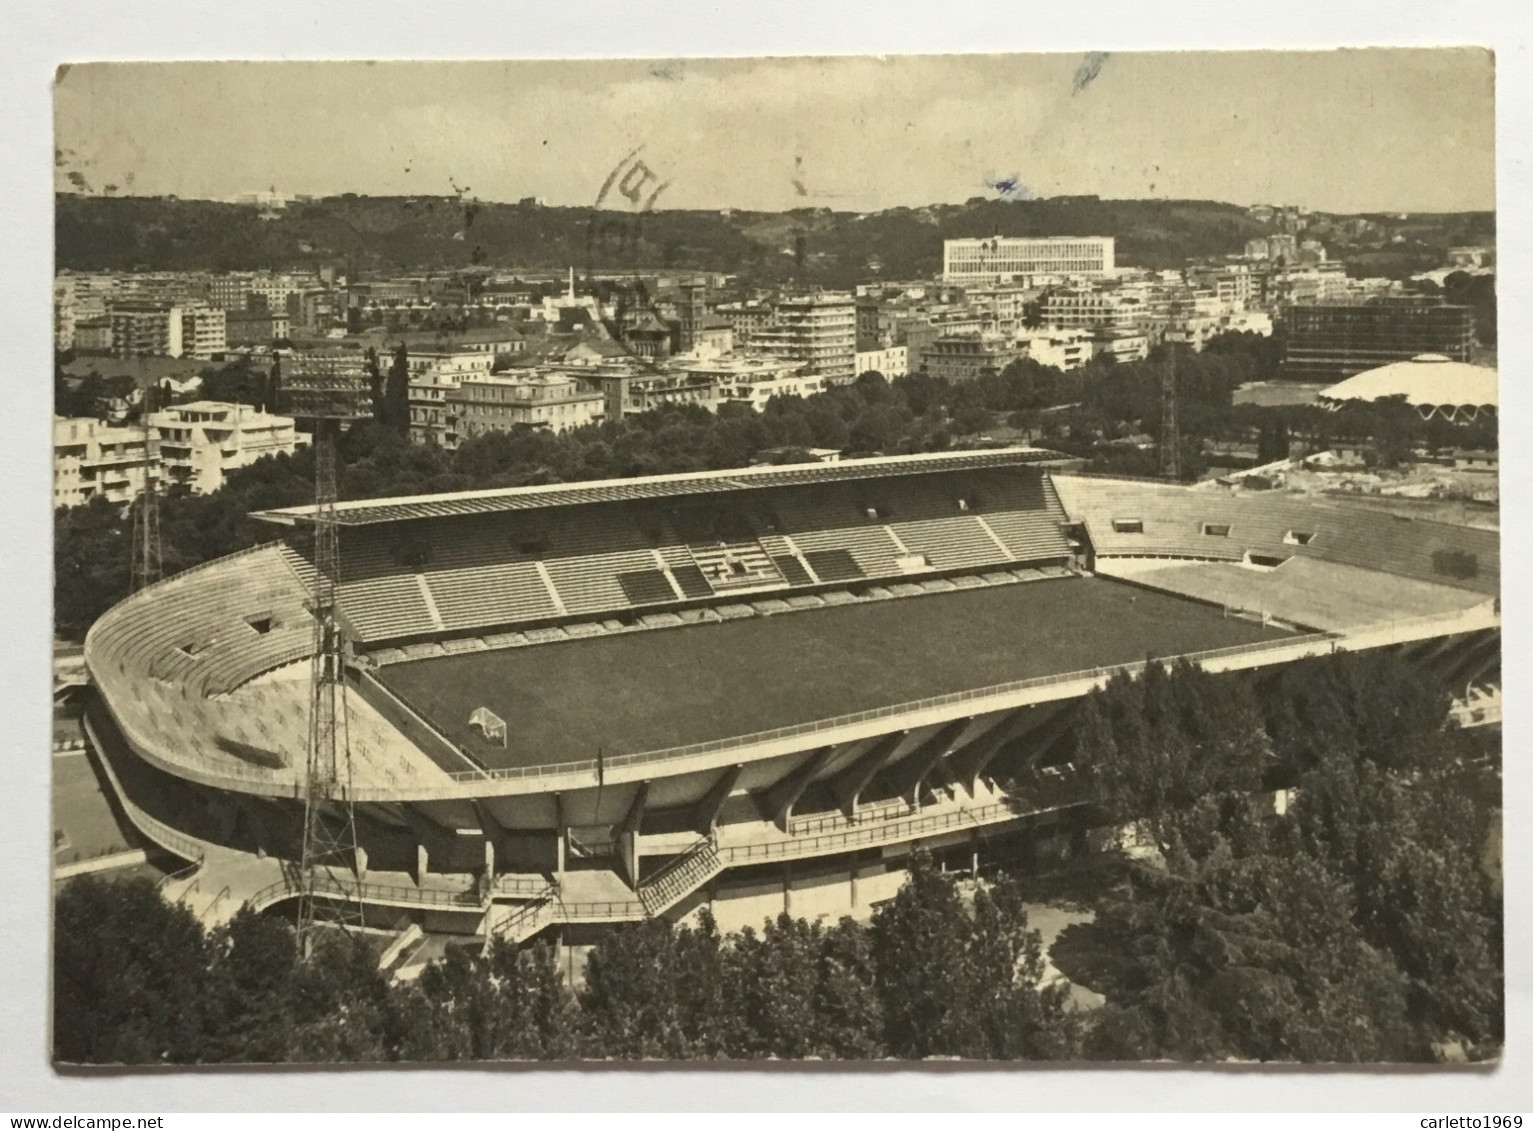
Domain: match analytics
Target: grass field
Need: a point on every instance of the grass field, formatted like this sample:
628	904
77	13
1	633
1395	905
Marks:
651	690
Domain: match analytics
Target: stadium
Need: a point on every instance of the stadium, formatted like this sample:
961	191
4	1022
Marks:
758	689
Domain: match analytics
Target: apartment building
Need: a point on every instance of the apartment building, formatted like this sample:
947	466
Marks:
95	460
964	357
202	441
554	401
818	331
892	362
152	329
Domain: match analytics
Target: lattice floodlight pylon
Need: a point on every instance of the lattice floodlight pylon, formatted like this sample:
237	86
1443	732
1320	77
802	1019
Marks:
147	566
488	724
330	874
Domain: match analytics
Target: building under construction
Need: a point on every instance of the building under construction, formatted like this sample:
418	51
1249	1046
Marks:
1330	341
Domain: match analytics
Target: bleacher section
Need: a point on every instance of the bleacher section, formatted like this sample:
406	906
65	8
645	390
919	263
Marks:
211	639
1135	519
488	572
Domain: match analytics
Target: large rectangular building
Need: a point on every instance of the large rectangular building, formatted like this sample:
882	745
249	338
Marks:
1330	341
819	331
1002	258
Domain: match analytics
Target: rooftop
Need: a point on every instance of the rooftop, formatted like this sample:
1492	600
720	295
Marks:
362	512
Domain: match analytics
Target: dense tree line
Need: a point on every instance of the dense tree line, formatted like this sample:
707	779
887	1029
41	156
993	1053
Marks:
1360	924
937	972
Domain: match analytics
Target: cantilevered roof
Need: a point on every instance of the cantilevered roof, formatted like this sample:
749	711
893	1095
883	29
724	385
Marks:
1426	381
362	512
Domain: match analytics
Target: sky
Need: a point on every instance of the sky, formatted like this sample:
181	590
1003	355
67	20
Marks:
1407	130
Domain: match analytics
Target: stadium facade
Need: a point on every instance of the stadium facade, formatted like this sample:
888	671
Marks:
760	689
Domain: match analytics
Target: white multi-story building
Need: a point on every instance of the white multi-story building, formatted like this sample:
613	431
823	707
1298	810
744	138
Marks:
432	420
200	442
1003	258
892	362
748	380
818	331
502	403
1093	309
95	460
204	330
1063	349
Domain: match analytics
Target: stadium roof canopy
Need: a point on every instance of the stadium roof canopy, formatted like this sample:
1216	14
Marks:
362	512
1430	383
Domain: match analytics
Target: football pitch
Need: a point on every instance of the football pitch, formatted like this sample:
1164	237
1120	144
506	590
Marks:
649	690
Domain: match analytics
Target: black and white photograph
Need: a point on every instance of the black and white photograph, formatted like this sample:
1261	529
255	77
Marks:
932	557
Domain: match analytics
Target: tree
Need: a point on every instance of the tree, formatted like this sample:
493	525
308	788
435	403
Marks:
956	981
508	1004
653	990
396	394
130	976
1150	746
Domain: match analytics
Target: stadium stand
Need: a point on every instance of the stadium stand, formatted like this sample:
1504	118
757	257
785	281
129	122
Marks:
411	574
214	638
1135	519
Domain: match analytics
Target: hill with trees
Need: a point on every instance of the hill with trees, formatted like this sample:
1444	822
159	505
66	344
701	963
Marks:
808	246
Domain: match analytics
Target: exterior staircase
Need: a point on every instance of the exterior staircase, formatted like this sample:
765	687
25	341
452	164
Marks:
530	918
681	877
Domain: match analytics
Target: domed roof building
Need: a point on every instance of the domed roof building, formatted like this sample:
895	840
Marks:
1430	383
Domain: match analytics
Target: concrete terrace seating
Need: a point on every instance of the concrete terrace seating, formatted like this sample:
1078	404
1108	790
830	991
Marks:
379	597
212	637
828	520
1029	535
587	548
955	542
489	571
490	594
1178	522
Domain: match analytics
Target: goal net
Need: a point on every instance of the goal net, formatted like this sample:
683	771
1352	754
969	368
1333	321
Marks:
489	724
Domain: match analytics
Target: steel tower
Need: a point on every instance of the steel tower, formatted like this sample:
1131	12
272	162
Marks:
327	389
1170	430
147	565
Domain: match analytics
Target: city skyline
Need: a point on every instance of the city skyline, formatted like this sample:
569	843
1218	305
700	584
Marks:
1402	130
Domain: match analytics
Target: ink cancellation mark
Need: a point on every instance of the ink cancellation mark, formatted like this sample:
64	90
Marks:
614	239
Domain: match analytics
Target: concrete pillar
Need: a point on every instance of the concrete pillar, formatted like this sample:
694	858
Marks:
559	835
787	889
361	861
854	885
422	863
974	855
489	861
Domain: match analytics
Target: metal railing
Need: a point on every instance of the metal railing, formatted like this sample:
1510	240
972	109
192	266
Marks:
681	875
835	822
292	885
881	833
